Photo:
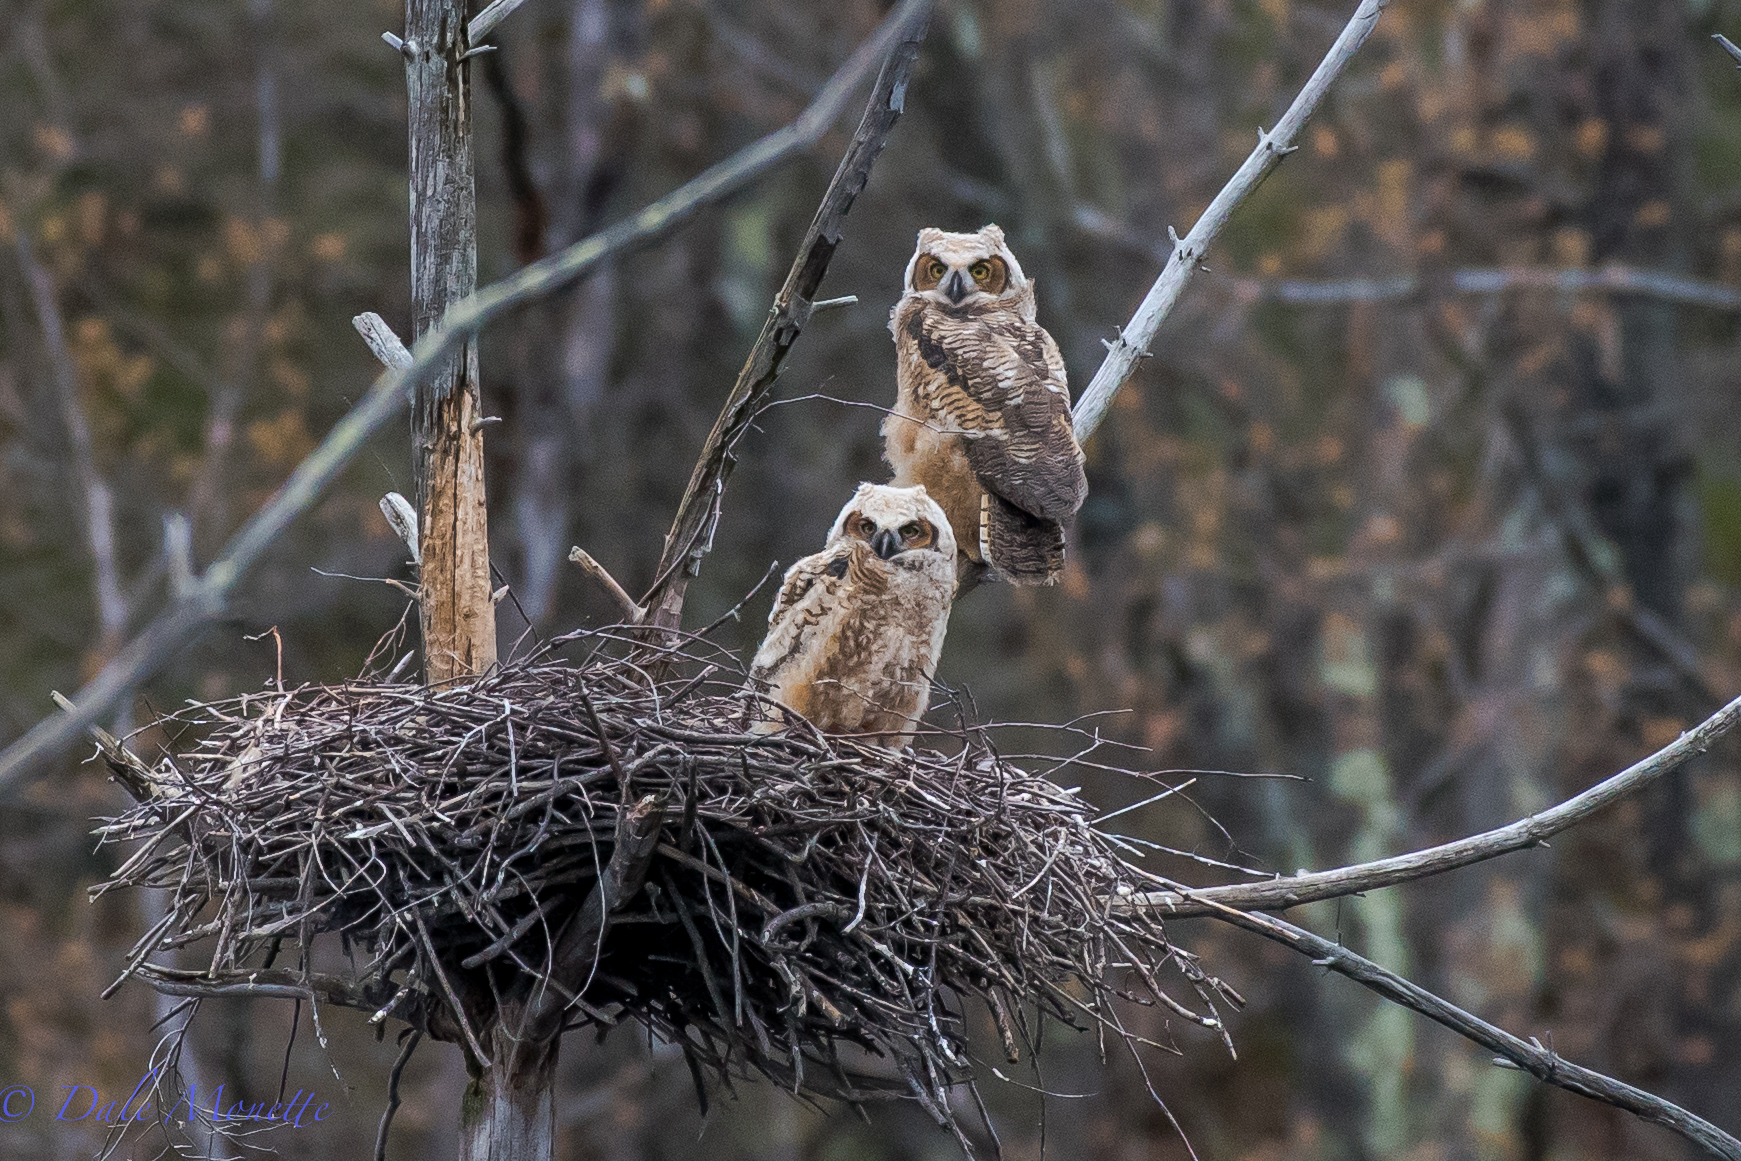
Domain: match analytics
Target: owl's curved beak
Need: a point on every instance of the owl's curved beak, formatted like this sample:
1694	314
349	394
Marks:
885	544
956	286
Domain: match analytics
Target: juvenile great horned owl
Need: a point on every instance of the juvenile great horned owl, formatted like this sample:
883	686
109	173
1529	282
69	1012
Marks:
982	418
856	631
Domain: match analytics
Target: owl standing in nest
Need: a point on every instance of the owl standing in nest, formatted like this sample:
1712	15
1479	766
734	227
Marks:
982	418
855	633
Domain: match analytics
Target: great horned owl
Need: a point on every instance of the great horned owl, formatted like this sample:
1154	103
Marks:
982	418
856	631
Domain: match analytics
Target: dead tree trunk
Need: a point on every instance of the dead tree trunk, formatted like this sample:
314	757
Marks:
458	617
508	1113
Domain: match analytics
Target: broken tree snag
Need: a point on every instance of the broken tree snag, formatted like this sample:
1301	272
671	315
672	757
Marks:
458	617
691	534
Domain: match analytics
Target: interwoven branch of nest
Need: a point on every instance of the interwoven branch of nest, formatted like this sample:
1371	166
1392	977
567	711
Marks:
806	899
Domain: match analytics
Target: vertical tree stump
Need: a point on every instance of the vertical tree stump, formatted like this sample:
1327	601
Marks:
508	1112
458	617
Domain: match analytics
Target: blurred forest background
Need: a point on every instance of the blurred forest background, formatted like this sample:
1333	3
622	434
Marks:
1396	505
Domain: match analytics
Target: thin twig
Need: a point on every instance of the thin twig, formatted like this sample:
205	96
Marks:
412	1036
1133	341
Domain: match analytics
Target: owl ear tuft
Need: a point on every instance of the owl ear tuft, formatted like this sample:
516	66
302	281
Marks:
930	236
993	232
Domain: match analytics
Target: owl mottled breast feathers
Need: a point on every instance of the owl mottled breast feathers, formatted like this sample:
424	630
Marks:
982	419
1001	378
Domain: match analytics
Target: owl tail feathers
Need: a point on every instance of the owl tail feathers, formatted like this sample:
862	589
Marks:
1021	548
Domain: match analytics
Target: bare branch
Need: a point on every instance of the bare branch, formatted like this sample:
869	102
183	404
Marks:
691	534
402	518
99	501
386	346
1133	341
1728	46
1530	1056
493	14
1614	278
205	599
273	983
632	612
1277	894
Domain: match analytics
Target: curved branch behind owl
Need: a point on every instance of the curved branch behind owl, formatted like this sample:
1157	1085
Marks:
982	417
857	628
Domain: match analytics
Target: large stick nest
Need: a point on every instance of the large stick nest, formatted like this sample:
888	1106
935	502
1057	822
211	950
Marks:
821	911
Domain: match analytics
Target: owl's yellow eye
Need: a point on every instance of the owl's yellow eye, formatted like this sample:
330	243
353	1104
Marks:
867	528
936	270
991	275
917	534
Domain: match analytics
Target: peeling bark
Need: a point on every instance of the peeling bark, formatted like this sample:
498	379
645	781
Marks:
458	617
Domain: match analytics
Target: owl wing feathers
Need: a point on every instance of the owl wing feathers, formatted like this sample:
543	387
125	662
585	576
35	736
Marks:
802	604
1000	379
1028	549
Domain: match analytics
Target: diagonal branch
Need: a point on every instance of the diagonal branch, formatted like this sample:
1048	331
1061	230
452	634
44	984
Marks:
1611	278
691	535
485	22
204	600
1534	830
1529	1056
576	954
112	610
1133	341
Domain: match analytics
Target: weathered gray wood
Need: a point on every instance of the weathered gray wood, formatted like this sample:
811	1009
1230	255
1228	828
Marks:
691	534
458	616
485	22
382	342
508	1112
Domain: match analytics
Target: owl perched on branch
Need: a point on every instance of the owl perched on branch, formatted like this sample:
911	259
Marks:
982	418
855	633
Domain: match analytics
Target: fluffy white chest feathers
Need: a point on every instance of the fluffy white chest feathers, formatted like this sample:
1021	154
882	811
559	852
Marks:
855	634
